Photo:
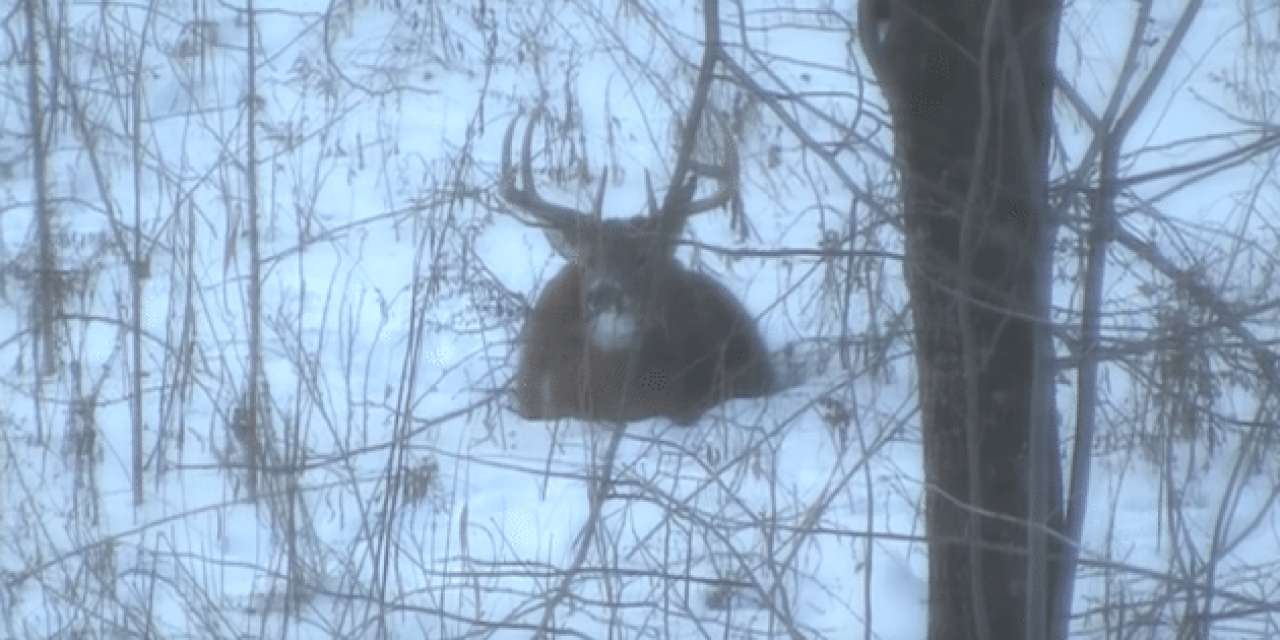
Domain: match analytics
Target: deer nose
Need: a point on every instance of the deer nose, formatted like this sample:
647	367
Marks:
604	296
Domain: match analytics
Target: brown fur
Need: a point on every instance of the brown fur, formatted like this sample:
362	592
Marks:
624	332
700	349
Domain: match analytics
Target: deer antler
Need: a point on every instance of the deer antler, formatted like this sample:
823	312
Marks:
679	204
520	190
525	195
726	173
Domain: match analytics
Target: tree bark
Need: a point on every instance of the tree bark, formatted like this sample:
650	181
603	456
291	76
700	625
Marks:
969	85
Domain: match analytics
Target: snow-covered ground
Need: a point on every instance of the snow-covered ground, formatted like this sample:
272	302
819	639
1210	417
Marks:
403	496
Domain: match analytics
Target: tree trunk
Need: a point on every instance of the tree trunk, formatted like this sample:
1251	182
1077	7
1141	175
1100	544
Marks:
969	83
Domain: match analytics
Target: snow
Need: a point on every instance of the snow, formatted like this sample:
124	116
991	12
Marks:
410	497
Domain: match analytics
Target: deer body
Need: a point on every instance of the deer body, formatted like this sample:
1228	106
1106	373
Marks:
703	349
625	332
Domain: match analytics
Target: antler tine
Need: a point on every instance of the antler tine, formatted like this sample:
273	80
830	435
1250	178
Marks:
525	197
648	187
597	208
679	205
725	173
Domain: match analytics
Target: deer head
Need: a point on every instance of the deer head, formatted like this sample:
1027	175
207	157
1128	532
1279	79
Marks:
624	331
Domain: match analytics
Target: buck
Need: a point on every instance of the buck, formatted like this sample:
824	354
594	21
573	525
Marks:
624	332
